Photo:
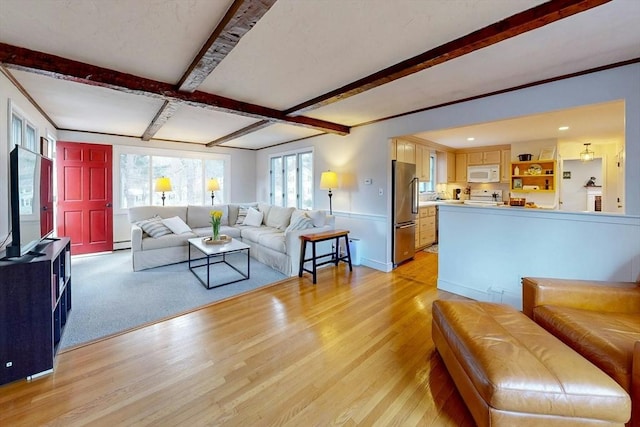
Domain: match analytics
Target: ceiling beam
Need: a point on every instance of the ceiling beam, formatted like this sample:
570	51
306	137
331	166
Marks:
239	19
14	57
512	26
242	132
162	116
519	23
241	16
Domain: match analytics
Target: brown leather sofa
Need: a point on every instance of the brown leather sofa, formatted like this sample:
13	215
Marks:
599	320
511	372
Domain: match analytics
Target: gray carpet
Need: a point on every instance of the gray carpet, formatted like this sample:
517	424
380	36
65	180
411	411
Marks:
107	296
432	249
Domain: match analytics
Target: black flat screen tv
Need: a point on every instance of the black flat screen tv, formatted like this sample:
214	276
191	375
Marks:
31	193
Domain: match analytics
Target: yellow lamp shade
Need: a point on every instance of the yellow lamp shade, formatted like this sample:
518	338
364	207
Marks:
328	180
213	184
163	184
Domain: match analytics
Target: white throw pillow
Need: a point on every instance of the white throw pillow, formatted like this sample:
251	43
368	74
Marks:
300	222
279	217
254	218
176	224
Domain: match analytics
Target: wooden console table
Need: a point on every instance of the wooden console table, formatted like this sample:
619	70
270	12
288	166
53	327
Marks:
335	256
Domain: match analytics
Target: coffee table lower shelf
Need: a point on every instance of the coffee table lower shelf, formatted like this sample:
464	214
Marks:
220	252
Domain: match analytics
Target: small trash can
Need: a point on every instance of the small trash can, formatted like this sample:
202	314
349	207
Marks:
354	248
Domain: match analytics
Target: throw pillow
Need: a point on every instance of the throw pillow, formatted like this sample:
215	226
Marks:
300	222
154	227
176	225
279	217
319	217
254	218
242	214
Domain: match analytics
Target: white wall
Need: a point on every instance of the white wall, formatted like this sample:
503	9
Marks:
365	153
9	92
485	251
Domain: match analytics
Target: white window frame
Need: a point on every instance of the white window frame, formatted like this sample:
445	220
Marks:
162	152
298	189
13	110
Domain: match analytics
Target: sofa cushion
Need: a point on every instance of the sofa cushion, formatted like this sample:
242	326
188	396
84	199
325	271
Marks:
224	229
279	217
264	208
166	241
606	339
253	218
176	225
154	227
300	222
200	216
252	234
275	241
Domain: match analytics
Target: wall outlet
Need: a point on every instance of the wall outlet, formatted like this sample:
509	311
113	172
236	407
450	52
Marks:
380	191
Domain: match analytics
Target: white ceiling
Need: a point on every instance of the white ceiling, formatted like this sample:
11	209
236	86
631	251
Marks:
297	51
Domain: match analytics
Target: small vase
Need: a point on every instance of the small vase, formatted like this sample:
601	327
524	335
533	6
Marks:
216	232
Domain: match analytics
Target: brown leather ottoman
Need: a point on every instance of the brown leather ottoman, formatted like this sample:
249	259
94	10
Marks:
511	372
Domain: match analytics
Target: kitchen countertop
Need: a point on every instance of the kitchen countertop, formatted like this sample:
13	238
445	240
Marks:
439	202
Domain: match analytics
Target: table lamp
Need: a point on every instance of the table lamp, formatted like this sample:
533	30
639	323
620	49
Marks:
163	184
213	185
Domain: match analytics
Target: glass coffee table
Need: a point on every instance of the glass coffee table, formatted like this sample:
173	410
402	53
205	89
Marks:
217	254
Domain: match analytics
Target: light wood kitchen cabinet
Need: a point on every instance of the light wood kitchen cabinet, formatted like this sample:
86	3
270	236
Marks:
505	167
426	227
484	157
461	167
405	151
423	158
446	170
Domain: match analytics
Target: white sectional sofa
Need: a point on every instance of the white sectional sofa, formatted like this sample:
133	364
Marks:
272	242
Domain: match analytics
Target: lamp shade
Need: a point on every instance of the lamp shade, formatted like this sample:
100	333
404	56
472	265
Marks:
328	180
163	184
213	184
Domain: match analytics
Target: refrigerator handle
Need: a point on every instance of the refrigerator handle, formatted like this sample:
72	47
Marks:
415	195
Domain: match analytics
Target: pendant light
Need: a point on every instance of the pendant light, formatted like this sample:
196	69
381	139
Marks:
587	155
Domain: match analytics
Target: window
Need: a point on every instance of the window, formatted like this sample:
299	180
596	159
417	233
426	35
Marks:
23	132
425	186
188	172
292	180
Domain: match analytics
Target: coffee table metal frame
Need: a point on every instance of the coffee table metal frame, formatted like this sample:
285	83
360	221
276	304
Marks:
216	251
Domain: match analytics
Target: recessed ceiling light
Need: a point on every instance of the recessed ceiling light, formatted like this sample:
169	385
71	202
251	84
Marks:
471	138
563	128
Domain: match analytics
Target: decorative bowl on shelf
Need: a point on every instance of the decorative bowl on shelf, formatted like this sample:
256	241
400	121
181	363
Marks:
221	241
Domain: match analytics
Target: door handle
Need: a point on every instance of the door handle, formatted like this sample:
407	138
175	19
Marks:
108	205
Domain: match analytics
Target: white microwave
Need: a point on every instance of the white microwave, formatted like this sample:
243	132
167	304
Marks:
483	173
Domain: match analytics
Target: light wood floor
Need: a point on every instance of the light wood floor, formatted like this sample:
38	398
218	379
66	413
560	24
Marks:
355	349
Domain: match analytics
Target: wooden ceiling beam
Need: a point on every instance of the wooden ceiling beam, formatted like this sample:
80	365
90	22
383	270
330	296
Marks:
519	23
239	19
512	26
162	116
14	57
242	132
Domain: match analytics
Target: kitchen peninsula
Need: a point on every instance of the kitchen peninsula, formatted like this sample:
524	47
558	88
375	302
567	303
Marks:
484	251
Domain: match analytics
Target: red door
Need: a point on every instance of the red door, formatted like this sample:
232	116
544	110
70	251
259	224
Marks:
85	196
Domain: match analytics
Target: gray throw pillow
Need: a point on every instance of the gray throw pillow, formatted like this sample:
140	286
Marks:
154	227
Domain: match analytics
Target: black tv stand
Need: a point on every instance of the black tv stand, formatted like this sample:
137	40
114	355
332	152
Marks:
52	239
35	303
36	254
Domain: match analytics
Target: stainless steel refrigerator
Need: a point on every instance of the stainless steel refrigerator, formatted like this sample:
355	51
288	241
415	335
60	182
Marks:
405	209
